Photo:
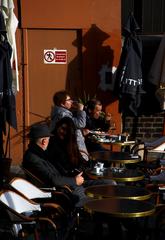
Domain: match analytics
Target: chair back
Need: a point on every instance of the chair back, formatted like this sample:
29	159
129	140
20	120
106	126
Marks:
23	211
158	144
161	147
17	202
28	189
143	148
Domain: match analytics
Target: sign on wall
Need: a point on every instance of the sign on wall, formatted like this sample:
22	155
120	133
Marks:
55	56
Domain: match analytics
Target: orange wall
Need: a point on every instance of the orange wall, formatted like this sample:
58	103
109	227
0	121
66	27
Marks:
71	14
98	48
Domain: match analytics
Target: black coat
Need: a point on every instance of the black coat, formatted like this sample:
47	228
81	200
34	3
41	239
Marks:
95	124
35	160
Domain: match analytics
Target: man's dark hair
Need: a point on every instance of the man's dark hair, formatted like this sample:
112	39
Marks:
60	97
90	106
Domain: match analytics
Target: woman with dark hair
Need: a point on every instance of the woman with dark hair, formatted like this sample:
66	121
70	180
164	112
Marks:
63	149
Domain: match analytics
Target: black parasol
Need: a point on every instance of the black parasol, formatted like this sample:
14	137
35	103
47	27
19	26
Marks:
129	80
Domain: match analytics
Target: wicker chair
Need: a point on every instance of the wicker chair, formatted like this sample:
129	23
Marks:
24	214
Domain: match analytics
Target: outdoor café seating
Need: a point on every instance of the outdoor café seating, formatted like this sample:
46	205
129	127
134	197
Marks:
156	146
60	201
57	209
31	177
25	215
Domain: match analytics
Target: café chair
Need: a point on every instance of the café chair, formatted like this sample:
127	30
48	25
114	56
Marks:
151	153
60	191
60	211
32	178
143	148
30	191
25	215
59	202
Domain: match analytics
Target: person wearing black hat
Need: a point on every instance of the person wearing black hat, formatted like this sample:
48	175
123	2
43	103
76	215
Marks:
35	159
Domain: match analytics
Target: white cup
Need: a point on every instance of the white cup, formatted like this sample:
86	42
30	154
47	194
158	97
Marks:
97	170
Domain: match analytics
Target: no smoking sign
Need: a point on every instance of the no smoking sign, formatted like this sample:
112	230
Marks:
55	56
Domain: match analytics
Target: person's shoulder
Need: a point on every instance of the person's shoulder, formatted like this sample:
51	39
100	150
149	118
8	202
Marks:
56	110
31	156
28	156
66	113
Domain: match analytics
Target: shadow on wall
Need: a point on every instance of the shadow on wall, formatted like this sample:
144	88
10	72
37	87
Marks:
94	60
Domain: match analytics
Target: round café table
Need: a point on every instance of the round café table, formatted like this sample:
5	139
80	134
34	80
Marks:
122	208
118	191
121	211
121	144
117	174
115	157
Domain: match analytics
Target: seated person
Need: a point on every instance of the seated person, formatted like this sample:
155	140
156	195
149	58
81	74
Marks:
35	159
64	153
96	119
63	149
64	106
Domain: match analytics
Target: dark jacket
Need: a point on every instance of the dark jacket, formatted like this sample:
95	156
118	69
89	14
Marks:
35	160
58	157
95	124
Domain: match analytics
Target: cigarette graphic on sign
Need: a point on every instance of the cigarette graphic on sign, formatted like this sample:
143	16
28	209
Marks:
55	56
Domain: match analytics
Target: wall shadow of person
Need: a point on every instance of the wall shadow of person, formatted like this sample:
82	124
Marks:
90	72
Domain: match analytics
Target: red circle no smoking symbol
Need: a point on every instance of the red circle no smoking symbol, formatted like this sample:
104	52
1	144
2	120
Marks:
49	56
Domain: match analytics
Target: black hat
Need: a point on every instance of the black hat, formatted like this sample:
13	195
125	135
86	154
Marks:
39	131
